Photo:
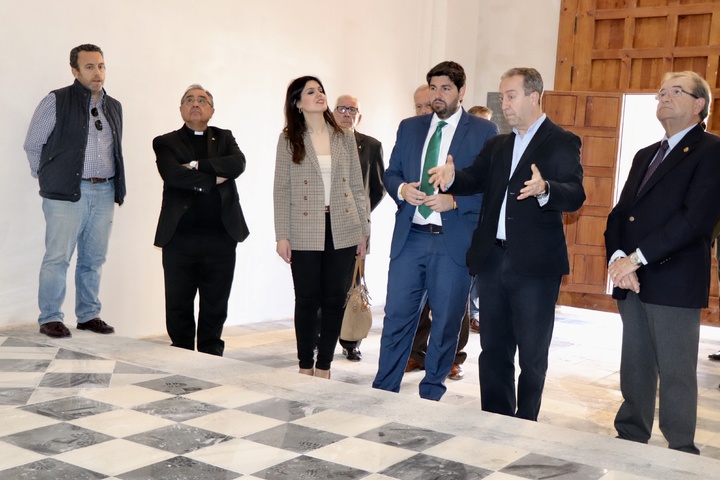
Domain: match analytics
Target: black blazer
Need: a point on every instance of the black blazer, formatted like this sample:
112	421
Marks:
535	237
371	162
225	159
671	220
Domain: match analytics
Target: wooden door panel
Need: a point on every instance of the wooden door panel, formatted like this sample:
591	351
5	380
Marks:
594	117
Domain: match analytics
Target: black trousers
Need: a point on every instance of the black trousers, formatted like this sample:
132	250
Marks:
193	264
320	280
517	313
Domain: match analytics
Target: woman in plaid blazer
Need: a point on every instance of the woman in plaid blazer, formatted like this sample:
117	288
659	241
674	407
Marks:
321	217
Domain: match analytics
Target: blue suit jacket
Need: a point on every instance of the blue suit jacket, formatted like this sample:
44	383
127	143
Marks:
458	224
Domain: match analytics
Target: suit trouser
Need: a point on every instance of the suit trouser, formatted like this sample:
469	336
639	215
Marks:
419	347
423	269
516	312
192	264
320	280
658	342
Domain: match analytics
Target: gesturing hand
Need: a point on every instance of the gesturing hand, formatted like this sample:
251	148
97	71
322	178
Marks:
533	187
441	176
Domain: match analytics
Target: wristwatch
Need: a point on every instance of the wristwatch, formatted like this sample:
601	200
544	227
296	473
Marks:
193	164
635	259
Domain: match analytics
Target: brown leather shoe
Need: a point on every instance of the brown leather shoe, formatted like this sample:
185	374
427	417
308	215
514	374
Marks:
413	365
96	325
55	330
456	372
475	325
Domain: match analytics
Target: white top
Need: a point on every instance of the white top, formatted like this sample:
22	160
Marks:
325	162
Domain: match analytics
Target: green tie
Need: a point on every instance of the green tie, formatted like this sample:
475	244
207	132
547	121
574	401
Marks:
431	160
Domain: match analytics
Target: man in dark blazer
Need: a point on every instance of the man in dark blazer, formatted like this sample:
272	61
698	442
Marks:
200	222
432	232
347	114
529	178
658	242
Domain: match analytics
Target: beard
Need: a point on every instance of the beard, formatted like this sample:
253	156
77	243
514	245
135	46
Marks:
444	110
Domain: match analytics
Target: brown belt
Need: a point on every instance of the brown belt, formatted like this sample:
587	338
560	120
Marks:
97	180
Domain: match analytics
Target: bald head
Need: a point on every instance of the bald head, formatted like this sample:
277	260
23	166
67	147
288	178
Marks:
347	111
423	105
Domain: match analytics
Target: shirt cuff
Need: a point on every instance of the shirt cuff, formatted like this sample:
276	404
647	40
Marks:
618	254
640	255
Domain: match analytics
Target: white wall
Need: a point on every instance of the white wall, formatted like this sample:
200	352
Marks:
245	53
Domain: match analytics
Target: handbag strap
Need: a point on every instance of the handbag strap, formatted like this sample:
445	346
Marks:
359	273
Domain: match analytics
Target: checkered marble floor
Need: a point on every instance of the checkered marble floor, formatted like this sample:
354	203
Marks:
95	407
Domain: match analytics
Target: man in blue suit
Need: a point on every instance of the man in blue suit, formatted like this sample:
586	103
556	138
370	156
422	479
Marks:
432	233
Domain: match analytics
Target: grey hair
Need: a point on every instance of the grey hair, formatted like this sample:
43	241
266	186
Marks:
700	88
197	86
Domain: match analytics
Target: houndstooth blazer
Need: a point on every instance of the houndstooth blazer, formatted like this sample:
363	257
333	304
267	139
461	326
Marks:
299	195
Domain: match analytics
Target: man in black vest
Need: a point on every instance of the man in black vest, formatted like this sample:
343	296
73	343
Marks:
74	149
200	222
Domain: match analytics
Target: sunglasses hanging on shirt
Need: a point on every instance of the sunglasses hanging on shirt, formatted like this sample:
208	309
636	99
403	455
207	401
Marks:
98	122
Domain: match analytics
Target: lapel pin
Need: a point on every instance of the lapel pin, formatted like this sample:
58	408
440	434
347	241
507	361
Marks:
686	149
213	138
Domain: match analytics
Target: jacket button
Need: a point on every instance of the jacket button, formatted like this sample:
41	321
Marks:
305	182
632	219
344	179
305	214
305	197
346	195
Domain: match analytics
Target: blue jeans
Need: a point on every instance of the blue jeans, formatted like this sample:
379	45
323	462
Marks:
85	224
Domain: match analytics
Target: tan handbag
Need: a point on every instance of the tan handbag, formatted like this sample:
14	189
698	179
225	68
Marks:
358	317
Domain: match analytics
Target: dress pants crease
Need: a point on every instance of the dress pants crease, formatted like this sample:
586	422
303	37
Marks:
659	343
423	270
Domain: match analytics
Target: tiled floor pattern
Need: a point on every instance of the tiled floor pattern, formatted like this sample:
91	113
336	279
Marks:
133	422
582	390
67	413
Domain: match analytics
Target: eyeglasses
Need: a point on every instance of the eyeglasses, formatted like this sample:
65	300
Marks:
672	93
350	110
98	122
201	101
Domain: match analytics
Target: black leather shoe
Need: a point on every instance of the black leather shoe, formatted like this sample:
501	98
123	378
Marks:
96	325
353	354
715	356
55	330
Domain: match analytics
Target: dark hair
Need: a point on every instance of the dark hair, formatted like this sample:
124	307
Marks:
450	69
295	125
85	47
532	80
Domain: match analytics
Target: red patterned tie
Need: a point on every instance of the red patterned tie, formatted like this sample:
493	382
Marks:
659	156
